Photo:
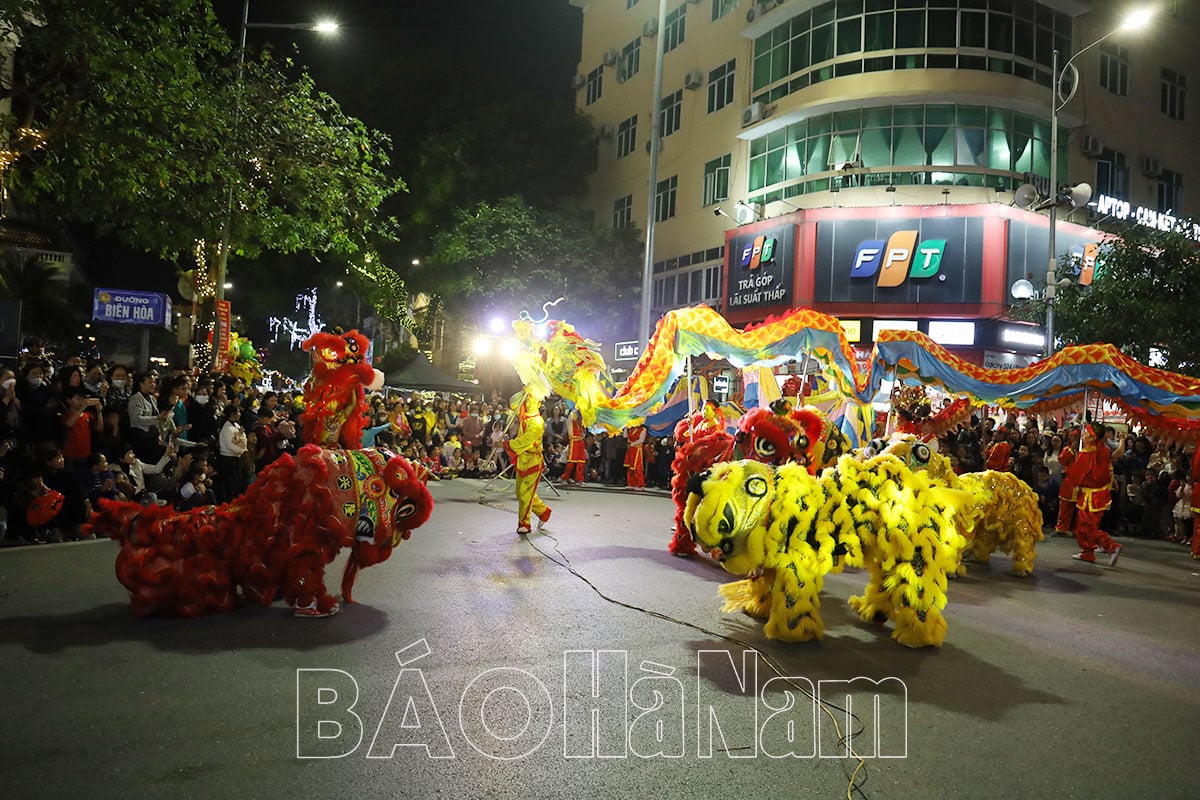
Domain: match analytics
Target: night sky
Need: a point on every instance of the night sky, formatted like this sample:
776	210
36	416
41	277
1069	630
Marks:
401	66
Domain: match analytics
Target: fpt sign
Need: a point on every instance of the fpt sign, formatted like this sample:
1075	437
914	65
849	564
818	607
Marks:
760	269
760	251
865	260
899	258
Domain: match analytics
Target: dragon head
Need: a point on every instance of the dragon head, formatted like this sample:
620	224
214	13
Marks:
727	511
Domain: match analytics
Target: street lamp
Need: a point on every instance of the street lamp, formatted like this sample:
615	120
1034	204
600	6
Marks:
1058	102
323	27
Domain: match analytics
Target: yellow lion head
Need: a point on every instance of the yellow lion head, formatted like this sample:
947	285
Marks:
727	512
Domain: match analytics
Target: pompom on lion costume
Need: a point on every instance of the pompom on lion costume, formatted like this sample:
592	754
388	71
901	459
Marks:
786	529
274	540
335	407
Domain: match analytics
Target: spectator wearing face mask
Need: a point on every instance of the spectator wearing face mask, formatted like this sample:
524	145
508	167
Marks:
201	415
472	427
39	405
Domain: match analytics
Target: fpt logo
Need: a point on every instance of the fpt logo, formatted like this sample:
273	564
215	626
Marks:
760	251
105	297
898	258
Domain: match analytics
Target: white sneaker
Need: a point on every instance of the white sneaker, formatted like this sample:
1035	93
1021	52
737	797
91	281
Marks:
1113	555
522	530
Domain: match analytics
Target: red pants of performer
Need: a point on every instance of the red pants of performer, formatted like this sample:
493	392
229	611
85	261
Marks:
1088	533
1195	533
1066	516
635	477
574	468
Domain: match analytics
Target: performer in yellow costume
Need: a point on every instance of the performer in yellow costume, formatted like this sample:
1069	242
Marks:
525	449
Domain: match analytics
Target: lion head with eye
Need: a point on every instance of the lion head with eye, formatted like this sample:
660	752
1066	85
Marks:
780	435
727	510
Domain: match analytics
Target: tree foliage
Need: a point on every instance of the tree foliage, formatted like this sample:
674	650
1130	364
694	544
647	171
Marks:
509	256
1144	296
149	128
49	305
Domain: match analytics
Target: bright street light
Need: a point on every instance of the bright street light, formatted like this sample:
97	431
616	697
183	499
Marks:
339	284
1058	102
226	285
416	262
483	345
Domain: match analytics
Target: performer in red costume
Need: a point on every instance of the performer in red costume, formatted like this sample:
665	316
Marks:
1066	493
576	451
999	451
525	449
634	464
1092	475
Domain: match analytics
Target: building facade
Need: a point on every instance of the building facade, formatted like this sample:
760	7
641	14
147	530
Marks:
829	129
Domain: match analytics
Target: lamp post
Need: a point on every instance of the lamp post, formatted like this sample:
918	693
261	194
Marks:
1058	102
324	27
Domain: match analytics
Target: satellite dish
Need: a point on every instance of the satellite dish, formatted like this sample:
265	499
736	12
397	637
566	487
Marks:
1022	289
186	286
1025	196
1080	195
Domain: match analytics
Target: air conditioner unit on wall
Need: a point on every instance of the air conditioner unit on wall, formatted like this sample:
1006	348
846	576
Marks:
755	112
650	29
610	58
694	79
578	81
1151	167
1091	146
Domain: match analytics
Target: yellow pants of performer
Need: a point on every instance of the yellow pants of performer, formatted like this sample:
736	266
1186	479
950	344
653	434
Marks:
528	500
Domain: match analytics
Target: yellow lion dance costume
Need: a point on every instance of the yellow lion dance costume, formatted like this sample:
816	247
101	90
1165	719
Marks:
1002	514
787	529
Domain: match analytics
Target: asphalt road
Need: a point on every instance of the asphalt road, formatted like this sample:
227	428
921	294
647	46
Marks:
1079	682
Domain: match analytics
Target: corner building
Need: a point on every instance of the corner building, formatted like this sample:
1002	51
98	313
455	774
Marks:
862	157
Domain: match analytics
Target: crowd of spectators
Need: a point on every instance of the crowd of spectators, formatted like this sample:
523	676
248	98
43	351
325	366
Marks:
1152	491
90	430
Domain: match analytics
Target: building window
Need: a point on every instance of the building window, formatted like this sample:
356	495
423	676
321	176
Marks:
670	113
623	211
716	180
595	85
1170	192
630	4
910	144
675	24
664	199
631	57
1114	69
849	37
712	284
1174	93
722	7
1112	175
720	86
626	136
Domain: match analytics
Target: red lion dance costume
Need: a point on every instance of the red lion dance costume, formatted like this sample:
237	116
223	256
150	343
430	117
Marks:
773	436
275	539
334	395
1091	474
